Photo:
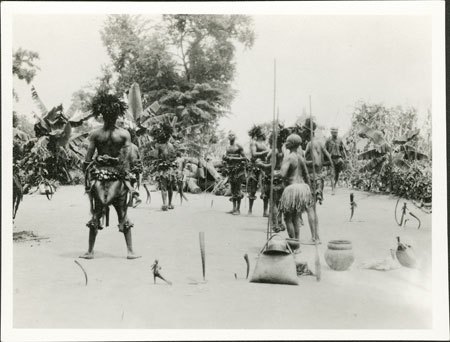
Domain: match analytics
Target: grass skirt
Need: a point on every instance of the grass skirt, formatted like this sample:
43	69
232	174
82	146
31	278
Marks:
296	198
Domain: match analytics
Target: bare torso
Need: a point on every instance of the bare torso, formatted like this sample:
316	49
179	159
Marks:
256	149
293	169
109	141
234	151
317	154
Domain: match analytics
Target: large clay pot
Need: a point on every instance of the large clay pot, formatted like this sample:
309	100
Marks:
339	255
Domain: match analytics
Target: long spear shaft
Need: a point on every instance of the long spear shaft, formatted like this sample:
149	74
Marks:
317	258
272	161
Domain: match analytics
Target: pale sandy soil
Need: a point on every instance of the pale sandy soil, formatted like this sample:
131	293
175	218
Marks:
49	289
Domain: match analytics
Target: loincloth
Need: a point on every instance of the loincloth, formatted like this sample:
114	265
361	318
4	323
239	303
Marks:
106	168
338	163
296	198
278	187
253	172
236	171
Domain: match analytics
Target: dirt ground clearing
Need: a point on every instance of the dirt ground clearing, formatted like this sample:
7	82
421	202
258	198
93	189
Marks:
50	292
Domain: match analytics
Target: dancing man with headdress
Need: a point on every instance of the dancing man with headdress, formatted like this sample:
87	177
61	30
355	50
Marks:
258	151
235	161
335	147
165	168
108	175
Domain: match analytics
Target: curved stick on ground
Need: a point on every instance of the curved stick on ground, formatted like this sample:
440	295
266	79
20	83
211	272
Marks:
248	264
416	219
85	274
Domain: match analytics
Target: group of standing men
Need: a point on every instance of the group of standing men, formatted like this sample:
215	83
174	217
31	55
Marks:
299	167
112	173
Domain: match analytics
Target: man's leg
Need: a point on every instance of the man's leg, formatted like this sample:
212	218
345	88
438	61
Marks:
125	226
288	219
130	252
164	199
237	211
253	185
233	195
297	224
92	235
338	169
238	197
266	206
313	224
163	187
170	194
93	225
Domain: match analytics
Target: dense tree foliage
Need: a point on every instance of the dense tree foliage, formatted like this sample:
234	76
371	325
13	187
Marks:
24	66
387	152
185	62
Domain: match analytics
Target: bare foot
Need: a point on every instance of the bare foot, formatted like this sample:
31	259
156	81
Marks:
170	206
87	255
131	255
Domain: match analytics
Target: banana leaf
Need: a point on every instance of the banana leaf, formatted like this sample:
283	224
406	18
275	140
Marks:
20	135
78	118
135	102
376	136
37	100
407	137
373	153
374	165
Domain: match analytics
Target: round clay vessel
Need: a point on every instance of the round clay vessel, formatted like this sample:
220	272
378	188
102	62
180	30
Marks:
339	255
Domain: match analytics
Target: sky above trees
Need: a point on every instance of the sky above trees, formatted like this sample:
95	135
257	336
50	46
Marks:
338	60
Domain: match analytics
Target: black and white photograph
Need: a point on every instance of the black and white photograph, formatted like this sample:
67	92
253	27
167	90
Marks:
224	171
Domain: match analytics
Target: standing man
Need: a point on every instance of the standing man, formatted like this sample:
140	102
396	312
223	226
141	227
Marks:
235	160
278	185
165	166
335	147
320	153
108	175
258	151
296	197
